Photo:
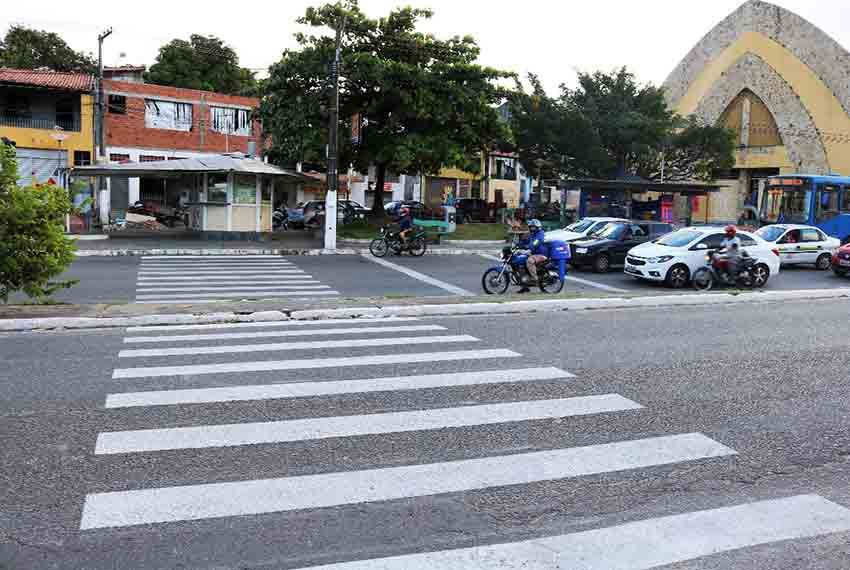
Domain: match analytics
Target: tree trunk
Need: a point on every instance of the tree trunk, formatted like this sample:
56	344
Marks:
378	204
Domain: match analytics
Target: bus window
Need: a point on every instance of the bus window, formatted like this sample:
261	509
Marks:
827	202
785	205
845	199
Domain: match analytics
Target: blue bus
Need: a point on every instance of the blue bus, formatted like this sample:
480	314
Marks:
821	201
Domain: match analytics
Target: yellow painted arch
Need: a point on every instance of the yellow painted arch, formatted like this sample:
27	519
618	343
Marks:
826	111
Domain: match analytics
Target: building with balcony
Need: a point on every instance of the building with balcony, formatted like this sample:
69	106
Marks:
50	117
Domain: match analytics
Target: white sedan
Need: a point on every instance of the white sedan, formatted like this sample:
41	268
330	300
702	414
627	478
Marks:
581	229
676	256
801	245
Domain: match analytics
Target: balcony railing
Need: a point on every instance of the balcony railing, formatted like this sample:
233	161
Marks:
67	124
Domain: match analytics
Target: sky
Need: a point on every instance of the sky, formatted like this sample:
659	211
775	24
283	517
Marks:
552	38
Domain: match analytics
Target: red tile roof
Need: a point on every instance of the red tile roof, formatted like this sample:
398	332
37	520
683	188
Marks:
48	79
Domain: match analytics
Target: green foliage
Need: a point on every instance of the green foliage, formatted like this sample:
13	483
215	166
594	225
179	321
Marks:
27	48
610	126
203	62
33	246
422	103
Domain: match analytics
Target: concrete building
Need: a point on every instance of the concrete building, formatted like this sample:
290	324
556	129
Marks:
783	85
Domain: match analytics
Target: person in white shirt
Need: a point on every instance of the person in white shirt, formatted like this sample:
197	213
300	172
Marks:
731	250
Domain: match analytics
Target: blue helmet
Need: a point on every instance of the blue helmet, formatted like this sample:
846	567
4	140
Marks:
535	224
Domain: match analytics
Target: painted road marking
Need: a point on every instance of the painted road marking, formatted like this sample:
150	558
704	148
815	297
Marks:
177	280
639	545
226	291
184	299
587	282
253	324
221	300
305	345
309	363
166	288
318	388
214	272
230	435
272	334
194	502
211	257
421	277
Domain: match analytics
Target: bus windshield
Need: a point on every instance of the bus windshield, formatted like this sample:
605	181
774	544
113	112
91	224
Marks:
787	204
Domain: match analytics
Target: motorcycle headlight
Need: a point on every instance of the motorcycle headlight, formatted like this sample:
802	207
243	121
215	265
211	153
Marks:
708	258
661	259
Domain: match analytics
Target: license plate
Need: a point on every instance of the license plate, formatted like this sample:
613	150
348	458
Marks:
633	269
844	262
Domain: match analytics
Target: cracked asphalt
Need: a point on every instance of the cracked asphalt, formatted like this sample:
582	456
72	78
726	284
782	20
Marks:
770	381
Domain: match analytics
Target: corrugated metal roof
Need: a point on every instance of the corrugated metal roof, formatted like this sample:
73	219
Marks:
216	163
48	79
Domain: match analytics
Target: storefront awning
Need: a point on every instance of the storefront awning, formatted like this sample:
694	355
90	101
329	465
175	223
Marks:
211	164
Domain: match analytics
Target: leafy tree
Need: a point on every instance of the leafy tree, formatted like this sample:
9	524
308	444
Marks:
203	62
33	245
27	48
634	128
422	103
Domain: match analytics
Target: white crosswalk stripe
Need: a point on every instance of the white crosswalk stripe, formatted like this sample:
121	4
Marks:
206	279
638	545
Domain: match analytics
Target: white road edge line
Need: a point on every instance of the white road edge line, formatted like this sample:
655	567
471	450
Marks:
639	545
254	324
281	334
309	363
587	282
304	345
214	500
327	388
257	433
420	276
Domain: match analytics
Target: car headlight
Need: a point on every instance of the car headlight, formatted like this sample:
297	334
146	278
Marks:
581	250
662	259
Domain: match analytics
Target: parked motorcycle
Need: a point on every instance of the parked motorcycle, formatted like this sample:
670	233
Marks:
389	240
513	270
280	219
714	273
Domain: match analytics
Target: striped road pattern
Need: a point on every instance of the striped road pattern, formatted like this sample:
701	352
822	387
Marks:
220	354
207	279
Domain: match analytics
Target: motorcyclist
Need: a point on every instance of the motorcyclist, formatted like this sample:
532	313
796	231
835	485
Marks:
537	245
405	223
730	250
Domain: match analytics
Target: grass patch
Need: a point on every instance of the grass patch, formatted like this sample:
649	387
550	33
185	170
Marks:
368	230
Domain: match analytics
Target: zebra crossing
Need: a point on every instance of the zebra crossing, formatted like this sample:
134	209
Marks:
221	353
208	279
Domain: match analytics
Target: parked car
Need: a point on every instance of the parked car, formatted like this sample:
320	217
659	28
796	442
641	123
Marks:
581	229
472	210
313	211
841	261
675	257
608	248
801	245
356	208
418	209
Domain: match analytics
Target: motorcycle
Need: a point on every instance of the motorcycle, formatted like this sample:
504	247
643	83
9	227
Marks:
513	270
280	219
714	273
391	241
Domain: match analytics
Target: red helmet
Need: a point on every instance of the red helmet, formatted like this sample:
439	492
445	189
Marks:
405	210
731	231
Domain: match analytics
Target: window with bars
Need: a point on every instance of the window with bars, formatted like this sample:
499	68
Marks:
116	157
168	115
230	121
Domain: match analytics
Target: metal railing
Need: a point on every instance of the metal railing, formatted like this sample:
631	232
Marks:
67	124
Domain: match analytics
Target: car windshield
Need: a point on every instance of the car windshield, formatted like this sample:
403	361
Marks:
771	233
580	226
680	238
612	231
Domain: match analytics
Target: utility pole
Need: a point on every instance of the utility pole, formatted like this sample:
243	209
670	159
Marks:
333	146
101	150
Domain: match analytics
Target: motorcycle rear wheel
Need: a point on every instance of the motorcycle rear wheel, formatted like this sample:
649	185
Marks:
418	247
379	247
703	280
495	281
551	283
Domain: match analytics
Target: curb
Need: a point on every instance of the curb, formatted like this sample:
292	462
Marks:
248	252
512	307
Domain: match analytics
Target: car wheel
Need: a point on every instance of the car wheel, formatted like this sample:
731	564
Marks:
602	263
678	276
824	262
761	273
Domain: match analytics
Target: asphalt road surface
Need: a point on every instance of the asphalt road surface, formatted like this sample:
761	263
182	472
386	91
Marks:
213	278
696	439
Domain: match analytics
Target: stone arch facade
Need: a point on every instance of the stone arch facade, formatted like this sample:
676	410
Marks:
829	61
796	127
